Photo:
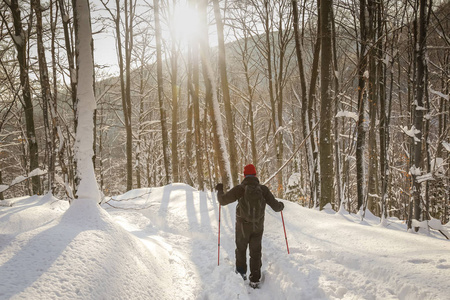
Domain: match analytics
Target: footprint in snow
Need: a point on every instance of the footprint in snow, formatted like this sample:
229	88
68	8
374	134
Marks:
441	266
419	261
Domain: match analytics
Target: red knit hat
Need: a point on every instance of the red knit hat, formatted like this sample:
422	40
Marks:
249	170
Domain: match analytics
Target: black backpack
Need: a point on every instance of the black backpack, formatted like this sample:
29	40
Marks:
252	205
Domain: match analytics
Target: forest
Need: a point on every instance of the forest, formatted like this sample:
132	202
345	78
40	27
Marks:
342	103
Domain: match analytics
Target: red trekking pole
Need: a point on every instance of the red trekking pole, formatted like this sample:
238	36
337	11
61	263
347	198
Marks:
218	246
284	228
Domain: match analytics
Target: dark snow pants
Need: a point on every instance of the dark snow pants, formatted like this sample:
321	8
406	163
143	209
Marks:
249	234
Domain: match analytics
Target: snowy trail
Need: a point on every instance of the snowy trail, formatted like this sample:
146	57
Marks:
333	256
350	260
161	243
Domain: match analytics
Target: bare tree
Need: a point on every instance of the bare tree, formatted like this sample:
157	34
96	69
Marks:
373	178
362	77
326	107
20	38
194	91
50	130
315	188
124	60
304	97
175	96
211	99
86	104
159	62
226	93
421	87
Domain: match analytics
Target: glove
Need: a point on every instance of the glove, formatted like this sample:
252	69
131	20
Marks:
282	206
219	187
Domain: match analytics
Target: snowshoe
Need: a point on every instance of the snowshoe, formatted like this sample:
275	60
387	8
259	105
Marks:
254	285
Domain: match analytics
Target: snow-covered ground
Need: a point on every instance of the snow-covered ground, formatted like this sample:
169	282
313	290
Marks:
162	243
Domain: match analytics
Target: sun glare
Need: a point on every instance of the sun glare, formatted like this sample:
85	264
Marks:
186	22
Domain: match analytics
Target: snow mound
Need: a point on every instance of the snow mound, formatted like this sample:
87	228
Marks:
79	255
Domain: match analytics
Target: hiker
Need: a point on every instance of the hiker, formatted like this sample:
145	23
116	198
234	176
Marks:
252	199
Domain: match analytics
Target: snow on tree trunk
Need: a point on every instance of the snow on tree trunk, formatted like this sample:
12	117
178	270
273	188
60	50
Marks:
86	105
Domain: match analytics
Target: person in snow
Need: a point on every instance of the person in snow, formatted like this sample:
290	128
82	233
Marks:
252	199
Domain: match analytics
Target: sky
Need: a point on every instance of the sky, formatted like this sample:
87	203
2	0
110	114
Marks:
104	41
105	53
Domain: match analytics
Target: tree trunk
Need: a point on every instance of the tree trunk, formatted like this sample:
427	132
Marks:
282	41
195	91
384	120
86	104
418	111
304	98
159	63
139	145
20	41
69	179
189	121
315	189
174	62
129	16
124	87
72	71
211	99
46	98
226	94
100	151
326	108
443	131
273	103
360	142
337	107
58	138
373	184
250	92
426	137
1	182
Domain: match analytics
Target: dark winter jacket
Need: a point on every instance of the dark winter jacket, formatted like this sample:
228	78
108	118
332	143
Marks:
238	191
